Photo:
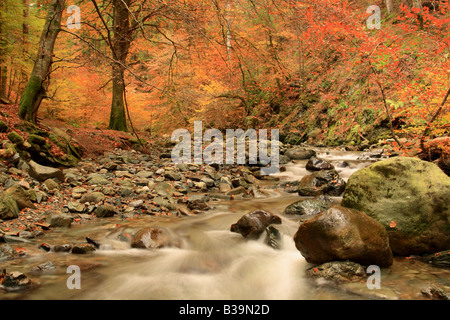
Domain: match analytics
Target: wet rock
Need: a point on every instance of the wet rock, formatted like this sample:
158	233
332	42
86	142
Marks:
410	198
42	173
439	259
344	234
92	197
62	247
273	237
309	207
105	211
316	164
7	252
46	266
338	271
253	224
322	182
299	153
83	248
435	293
150	238
59	220
16	280
236	191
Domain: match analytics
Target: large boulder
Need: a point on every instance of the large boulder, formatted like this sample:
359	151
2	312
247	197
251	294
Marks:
42	173
341	234
253	224
410	198
321	182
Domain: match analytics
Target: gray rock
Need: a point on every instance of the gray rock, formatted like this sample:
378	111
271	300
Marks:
98	180
76	207
309	207
105	211
93	197
60	220
42	173
338	271
299	153
322	182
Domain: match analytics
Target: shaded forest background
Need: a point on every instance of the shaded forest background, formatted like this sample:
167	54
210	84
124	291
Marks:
313	69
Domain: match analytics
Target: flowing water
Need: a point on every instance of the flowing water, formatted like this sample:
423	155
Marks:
209	262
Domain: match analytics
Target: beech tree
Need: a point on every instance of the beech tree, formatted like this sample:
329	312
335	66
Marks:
35	90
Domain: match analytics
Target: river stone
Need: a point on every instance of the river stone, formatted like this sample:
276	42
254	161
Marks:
149	238
410	198
59	220
8	209
83	248
164	189
321	182
309	207
344	234
42	173
16	279
92	197
51	184
105	211
253	224
338	271
316	164
299	153
20	195
98	180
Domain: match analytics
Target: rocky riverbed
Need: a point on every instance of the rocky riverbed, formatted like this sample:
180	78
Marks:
131	221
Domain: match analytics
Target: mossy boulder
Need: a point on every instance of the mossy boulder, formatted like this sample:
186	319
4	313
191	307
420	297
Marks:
15	138
409	197
35	139
3	126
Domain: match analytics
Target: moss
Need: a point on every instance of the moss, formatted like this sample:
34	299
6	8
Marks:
26	102
15	138
3	126
35	139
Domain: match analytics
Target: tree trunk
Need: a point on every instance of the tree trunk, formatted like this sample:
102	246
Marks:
3	67
389	6
121	45
35	91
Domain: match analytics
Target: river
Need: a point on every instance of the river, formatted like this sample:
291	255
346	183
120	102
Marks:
210	262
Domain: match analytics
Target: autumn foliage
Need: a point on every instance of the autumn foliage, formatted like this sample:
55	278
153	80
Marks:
313	69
